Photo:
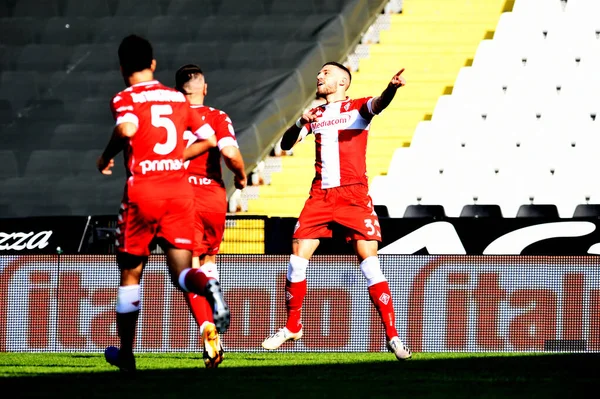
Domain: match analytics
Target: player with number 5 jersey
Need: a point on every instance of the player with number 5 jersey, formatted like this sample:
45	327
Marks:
158	202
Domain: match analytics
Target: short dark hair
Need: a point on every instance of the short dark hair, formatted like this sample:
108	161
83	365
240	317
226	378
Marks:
135	54
342	67
185	74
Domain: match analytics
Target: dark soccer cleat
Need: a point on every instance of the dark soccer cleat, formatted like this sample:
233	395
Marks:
221	315
125	362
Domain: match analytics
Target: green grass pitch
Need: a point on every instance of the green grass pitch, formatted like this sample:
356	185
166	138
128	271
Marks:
304	375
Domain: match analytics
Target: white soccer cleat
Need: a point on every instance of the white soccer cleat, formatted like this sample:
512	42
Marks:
276	340
400	350
213	350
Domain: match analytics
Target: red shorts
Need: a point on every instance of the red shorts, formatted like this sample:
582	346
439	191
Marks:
349	206
209	221
139	223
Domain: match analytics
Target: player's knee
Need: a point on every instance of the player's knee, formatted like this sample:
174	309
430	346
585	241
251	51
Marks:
297	269
210	270
128	299
371	269
128	261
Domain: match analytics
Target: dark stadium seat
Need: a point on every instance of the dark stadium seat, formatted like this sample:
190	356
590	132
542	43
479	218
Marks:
191	8
69	31
292	8
86	159
20	88
5	9
78	137
87	8
50	109
43	57
6	112
210	56
49	164
171	29
27	193
331	6
587	211
381	211
252	55
111	30
94	57
224	28
93	110
10	168
538	211
136	8
242	7
481	211
425	211
19	31
36	8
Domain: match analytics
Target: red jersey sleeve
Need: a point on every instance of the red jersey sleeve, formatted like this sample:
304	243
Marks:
198	125
224	131
365	107
123	110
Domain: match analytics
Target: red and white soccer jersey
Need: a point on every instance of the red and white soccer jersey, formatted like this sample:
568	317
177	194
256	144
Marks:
339	192
157	199
341	132
206	177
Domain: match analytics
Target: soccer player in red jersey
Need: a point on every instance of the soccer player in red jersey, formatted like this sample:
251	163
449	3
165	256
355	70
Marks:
339	194
158	202
205	177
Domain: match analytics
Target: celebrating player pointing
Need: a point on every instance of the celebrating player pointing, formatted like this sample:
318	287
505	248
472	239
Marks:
339	194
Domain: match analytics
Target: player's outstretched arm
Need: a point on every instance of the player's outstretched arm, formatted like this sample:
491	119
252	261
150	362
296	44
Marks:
380	103
199	147
121	133
292	135
234	161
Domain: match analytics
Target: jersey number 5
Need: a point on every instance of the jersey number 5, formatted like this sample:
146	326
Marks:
160	119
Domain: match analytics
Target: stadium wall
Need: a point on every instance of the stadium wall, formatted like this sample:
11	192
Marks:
463	303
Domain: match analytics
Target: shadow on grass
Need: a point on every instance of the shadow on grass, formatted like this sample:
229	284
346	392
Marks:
537	376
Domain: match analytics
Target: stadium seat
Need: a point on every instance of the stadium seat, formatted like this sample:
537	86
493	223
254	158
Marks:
68	31
36	8
209	54
136	8
94	58
93	110
111	30
223	28
481	211
88	8
49	164
293	7
43	57
191	8
242	7
6	112
10	168
78	137
424	211
587	211
537	211
171	29
19	31
20	88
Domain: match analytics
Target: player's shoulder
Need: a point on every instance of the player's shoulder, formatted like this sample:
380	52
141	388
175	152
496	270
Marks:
358	102
218	114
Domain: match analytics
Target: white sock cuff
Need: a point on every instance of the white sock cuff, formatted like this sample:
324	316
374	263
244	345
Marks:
128	299
297	269
181	279
372	270
210	269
